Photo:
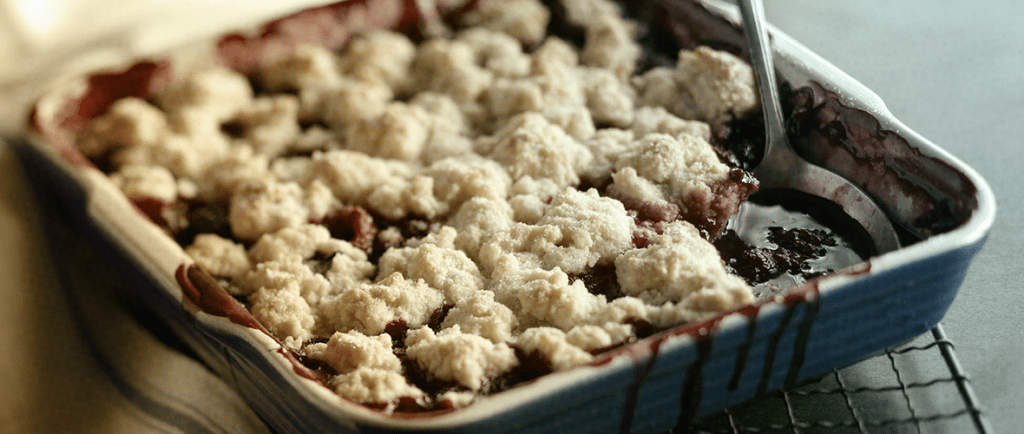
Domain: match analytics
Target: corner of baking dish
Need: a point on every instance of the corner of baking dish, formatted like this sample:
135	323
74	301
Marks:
800	64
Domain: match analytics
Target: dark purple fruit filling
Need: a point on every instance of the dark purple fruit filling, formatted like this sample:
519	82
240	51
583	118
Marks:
784	238
352	224
600	280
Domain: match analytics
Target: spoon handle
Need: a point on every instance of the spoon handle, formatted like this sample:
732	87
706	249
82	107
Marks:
781	167
764	70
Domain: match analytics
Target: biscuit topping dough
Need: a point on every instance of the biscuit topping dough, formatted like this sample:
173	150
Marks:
443	220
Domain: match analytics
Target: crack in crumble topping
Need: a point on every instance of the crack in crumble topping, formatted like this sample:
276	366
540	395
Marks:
443	220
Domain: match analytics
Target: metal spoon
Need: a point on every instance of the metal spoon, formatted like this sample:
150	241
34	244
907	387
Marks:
782	168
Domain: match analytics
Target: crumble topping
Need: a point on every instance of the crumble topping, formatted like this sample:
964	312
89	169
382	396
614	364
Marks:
371	386
442	220
706	85
480	314
284	313
370	307
675	268
379	57
142	181
524	20
219	256
217	93
346	352
129	122
575	232
437	263
464	358
662	171
551	343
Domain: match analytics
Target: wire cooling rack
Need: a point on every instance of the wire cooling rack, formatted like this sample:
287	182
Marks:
916	388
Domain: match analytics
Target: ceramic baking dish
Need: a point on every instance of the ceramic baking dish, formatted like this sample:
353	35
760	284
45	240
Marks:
943	207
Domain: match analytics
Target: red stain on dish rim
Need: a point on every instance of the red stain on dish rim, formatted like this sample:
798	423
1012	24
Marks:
645	352
743	352
203	291
101	90
329	26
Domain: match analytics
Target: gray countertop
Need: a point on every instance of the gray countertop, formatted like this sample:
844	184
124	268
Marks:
950	70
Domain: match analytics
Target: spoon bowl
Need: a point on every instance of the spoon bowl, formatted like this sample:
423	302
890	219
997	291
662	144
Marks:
782	168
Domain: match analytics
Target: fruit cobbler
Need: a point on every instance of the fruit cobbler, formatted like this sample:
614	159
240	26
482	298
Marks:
427	221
